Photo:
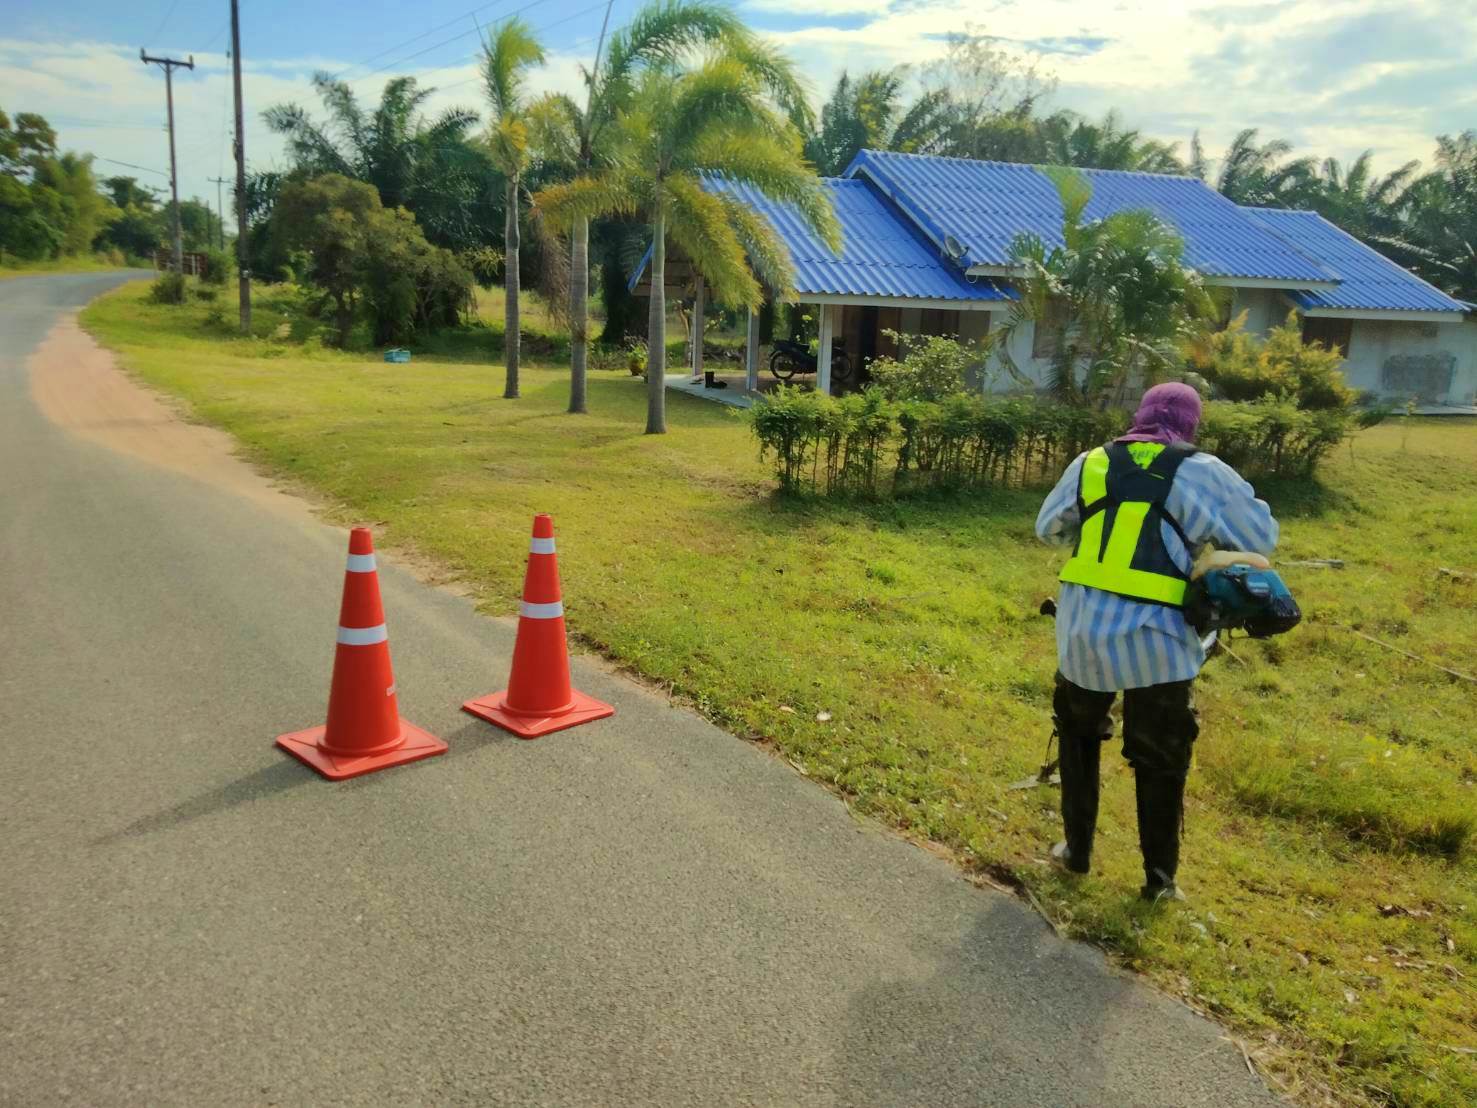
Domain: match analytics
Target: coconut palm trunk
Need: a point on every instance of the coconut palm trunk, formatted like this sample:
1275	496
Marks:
579	325
656	333
512	326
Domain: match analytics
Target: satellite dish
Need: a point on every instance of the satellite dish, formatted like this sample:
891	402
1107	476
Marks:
954	248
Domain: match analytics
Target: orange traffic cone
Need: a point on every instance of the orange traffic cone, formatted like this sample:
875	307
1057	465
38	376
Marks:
364	730
539	698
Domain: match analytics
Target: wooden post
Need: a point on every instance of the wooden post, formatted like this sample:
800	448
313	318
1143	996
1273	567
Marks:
697	329
823	354
751	354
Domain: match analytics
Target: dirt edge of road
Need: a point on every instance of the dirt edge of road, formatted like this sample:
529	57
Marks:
79	387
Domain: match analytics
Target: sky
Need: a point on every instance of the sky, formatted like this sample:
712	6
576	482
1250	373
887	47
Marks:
1334	77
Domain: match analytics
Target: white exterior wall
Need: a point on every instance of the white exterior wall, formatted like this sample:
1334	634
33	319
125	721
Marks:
1264	309
1400	360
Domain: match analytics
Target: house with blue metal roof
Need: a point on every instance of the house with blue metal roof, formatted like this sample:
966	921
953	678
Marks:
927	249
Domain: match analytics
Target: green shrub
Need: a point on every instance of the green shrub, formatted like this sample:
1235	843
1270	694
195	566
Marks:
218	266
207	295
848	446
788	423
636	358
1281	366
932	368
1273	437
168	288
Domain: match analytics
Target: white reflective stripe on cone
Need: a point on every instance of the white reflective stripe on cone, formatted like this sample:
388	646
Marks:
361	563
541	546
362	636
541	611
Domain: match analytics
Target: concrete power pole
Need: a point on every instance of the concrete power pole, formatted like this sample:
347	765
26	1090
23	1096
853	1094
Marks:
220	211
241	268
169	65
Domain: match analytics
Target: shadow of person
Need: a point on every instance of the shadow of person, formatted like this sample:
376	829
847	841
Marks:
1016	1016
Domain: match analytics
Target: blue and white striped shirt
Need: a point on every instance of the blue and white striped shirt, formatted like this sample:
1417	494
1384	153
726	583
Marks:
1106	642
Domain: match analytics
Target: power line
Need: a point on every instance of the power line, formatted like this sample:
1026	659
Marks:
424	34
473	57
130	165
108	124
455	38
165	20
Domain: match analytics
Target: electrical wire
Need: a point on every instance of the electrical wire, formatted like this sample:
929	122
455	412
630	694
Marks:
164	21
130	165
454	38
424	34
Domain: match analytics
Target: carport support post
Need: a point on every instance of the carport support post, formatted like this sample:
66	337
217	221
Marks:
751	353
823	354
697	328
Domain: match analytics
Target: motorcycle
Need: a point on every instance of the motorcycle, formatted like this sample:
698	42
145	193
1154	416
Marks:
790	358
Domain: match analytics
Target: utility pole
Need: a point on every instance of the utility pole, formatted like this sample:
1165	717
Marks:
220	211
243	273
168	65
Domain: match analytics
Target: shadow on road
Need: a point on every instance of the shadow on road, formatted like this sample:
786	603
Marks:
268	781
1010	1002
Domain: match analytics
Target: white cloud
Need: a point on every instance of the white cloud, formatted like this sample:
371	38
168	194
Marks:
1309	72
1334	76
820	7
102	99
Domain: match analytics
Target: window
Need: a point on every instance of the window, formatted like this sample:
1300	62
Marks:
1332	333
1047	339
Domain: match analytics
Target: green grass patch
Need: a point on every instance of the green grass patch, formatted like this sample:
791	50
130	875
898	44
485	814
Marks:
10	267
893	652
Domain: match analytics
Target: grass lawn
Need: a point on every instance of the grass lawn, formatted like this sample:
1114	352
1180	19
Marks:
10	267
894	653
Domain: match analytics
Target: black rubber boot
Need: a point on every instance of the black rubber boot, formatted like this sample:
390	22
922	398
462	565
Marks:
1161	808
1079	768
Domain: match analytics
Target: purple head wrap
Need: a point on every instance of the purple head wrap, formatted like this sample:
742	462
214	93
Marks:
1168	413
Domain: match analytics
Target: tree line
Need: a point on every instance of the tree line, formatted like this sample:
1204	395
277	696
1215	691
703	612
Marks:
53	204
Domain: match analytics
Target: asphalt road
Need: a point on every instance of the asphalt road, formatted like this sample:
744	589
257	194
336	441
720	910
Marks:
644	911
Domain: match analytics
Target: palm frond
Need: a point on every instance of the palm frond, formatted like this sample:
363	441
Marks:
555	124
697	221
768	256
506	56
756	158
585	198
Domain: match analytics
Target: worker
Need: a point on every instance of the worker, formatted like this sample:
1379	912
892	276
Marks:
1136	512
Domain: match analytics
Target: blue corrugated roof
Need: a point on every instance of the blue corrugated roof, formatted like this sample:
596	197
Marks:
985	205
881	254
1369	280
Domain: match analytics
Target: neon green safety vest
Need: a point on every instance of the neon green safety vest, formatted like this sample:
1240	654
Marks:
1121	547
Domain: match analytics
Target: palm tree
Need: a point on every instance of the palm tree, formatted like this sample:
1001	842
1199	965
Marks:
427	166
506	59
1440	240
867	112
659	34
1256	176
682	135
1074	141
1362	204
1116	292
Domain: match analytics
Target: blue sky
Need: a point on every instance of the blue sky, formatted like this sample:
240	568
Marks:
1335	77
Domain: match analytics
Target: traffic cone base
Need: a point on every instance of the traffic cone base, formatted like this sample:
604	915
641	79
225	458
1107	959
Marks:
306	747
494	709
539	698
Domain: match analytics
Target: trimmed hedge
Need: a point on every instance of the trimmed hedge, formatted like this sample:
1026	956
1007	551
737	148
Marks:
868	446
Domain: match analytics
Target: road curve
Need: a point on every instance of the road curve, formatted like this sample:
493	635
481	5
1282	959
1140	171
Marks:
644	911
